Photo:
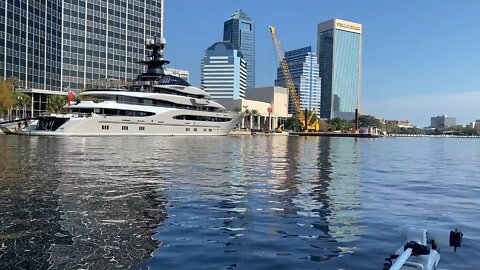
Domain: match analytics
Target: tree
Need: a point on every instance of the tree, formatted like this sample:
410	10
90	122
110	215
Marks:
7	99
369	121
22	101
237	110
56	103
469	131
254	114
324	126
340	124
247	115
293	123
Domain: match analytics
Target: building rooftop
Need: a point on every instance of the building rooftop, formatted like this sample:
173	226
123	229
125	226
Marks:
239	14
224	46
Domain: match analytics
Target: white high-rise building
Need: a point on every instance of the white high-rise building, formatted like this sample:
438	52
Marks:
224	74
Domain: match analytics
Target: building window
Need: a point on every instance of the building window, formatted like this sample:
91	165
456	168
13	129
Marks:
187	129
210	129
105	127
124	127
194	129
141	128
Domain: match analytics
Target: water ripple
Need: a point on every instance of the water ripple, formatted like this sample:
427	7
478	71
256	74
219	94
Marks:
250	202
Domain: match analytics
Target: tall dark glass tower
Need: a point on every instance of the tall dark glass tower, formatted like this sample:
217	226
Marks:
239	30
67	44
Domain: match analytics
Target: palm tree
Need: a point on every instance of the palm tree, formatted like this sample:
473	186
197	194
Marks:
248	115
255	113
22	100
237	110
56	103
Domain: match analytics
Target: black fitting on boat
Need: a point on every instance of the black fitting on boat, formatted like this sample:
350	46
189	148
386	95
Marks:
389	262
417	249
455	239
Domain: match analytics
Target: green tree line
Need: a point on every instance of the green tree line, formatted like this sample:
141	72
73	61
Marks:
337	124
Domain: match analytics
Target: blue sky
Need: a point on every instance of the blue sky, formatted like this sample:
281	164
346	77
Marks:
420	58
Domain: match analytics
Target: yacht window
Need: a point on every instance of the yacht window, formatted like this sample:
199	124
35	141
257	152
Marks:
124	127
175	91
148	102
110	112
202	118
141	128
187	129
194	129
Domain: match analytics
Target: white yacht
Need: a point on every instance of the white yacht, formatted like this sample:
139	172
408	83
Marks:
155	104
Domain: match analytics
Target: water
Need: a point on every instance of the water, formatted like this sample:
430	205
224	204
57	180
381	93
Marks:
250	202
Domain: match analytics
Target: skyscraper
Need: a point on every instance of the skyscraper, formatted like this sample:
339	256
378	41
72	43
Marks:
340	59
239	30
224	72
303	67
55	44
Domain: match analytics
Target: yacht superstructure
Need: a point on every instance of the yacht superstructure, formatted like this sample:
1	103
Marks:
155	104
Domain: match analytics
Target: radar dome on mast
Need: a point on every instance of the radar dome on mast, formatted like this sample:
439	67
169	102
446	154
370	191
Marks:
156	62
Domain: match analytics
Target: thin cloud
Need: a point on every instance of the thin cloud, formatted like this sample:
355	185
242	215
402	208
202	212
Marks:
419	108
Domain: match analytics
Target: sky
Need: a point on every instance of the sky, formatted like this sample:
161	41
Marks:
420	58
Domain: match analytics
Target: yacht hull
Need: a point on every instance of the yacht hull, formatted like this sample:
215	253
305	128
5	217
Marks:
156	125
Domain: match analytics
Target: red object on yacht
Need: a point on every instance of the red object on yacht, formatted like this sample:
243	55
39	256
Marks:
71	95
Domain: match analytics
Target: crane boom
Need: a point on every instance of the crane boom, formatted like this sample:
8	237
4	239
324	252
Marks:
288	78
305	119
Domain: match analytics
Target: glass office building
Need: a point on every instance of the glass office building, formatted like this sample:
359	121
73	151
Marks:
239	30
340	58
224	74
51	45
304	69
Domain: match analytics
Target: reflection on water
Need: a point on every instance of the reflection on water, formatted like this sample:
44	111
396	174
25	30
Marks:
101	203
252	202
65	208
259	202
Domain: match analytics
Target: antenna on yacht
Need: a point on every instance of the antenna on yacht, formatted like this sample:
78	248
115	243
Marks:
155	64
157	46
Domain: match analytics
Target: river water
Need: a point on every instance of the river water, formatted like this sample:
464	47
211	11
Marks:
251	202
